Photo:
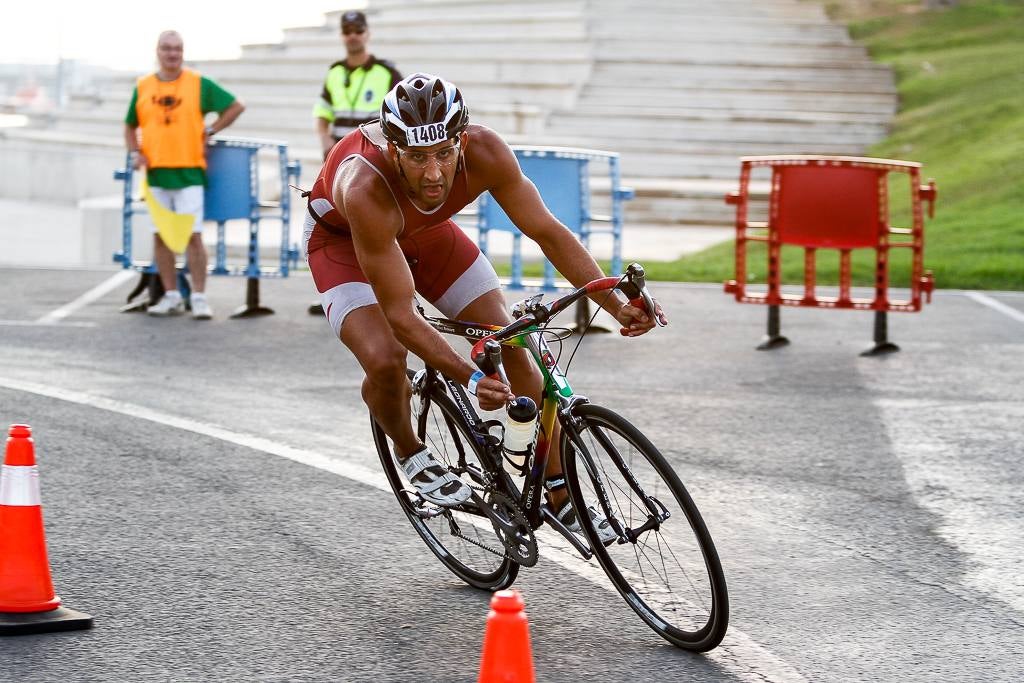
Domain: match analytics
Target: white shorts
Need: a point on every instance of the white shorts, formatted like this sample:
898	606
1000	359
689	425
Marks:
184	200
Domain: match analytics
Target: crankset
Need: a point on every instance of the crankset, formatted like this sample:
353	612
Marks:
511	526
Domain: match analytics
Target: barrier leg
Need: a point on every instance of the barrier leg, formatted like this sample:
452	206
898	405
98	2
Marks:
582	324
185	287
149	282
773	339
252	307
882	344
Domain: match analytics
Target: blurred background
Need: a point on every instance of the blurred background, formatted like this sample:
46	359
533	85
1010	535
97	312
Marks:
679	88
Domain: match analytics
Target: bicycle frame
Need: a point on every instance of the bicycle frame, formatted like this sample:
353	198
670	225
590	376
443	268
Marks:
557	394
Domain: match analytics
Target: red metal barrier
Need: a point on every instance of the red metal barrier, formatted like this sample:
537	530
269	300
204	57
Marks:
821	202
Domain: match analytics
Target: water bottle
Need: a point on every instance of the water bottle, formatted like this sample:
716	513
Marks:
520	431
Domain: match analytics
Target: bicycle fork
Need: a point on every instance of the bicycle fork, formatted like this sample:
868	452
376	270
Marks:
657	512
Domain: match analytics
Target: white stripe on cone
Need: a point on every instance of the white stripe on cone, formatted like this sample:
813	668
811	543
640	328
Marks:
19	485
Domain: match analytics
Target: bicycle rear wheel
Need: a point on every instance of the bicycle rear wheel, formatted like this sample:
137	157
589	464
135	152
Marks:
462	538
669	573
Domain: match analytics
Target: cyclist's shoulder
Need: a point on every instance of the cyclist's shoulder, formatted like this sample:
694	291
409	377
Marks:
485	145
360	184
487	152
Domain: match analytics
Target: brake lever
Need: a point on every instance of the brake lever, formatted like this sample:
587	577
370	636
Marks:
651	309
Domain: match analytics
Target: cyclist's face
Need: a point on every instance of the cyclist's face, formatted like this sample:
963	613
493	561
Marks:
430	171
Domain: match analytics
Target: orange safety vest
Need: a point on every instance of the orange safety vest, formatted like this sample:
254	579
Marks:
171	120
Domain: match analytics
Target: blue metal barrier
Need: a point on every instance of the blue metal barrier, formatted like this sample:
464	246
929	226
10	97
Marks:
232	192
563	177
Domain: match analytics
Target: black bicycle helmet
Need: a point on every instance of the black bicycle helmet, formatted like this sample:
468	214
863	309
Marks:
423	110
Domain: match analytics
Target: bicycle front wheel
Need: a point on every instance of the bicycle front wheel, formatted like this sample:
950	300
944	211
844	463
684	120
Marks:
462	538
665	564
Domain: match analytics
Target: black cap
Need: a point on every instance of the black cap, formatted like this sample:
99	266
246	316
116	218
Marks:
353	18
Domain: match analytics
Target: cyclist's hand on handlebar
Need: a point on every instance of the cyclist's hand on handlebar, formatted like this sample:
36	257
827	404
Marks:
492	393
635	321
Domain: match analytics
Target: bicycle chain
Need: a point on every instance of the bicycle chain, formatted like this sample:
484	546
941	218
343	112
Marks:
516	514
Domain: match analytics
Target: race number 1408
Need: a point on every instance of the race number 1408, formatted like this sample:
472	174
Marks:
424	136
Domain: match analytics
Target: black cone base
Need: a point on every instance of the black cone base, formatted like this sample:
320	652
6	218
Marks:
881	349
60	619
772	342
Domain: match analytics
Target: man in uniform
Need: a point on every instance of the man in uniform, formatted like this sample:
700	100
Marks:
354	87
353	90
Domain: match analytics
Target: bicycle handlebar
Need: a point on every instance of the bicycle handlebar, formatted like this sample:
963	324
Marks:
633	283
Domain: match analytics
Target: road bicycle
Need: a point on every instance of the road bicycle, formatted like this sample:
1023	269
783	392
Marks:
662	560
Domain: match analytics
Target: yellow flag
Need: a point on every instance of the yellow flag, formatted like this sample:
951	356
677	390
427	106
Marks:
174	229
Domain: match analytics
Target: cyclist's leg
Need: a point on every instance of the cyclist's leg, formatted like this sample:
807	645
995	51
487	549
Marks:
385	390
470	290
355	317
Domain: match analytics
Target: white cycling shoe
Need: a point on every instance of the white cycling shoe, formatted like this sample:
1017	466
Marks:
567	516
435	482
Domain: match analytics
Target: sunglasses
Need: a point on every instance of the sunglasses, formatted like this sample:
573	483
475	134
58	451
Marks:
350	31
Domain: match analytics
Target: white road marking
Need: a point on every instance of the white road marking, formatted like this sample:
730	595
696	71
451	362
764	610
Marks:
36	323
93	294
996	305
739	653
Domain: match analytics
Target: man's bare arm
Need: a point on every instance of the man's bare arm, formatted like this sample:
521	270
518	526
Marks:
131	141
519	197
375	223
227	117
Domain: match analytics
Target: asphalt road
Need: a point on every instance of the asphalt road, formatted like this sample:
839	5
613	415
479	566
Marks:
212	496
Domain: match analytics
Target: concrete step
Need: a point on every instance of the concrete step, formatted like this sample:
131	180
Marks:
481	11
655	52
328	49
598	95
779	10
686	201
725	115
454	29
675	129
737	29
521	69
872	78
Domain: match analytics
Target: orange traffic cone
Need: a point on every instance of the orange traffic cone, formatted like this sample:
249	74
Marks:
506	657
27	600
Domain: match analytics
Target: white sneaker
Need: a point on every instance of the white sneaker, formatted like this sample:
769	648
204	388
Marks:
170	304
201	307
605	531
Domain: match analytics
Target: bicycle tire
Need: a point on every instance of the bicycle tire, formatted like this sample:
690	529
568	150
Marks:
446	433
673	580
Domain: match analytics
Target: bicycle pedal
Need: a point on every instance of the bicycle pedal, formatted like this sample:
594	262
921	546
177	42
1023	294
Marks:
421	507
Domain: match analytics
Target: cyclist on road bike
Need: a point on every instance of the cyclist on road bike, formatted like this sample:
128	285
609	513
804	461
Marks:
379	230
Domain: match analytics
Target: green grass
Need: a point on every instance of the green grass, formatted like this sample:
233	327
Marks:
960	75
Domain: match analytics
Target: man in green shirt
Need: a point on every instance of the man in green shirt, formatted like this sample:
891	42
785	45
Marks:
355	86
165	133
